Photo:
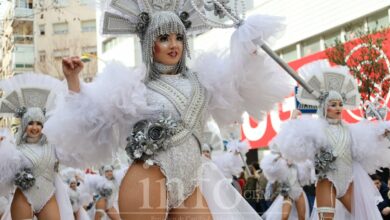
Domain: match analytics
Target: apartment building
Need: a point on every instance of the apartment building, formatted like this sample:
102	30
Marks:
37	34
17	40
64	28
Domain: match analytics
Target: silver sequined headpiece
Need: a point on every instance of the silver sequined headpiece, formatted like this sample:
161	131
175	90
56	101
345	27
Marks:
27	96
105	168
332	82
151	18
162	23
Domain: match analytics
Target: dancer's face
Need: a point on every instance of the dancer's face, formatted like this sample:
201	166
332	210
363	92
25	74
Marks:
207	154
73	185
34	129
168	49
335	107
108	174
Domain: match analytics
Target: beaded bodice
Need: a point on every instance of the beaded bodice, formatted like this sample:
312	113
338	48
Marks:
43	161
339	138
181	97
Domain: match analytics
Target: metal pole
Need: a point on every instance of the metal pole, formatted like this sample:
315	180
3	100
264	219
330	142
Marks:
289	70
246	165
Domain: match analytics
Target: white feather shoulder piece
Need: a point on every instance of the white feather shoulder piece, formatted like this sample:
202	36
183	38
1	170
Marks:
90	126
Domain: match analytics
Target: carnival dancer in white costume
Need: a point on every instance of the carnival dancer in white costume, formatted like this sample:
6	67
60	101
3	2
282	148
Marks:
79	195
343	154
232	161
292	202
109	205
164	105
30	163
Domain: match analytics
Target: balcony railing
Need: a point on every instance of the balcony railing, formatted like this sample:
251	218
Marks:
23	55
23	39
24	13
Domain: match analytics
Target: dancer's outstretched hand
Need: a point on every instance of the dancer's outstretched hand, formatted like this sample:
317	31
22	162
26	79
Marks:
72	66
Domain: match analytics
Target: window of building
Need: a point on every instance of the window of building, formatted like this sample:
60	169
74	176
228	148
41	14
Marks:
88	26
24	4
60	53
23	39
378	21
84	2
60	28
110	43
353	31
42	29
24	66
61	2
89	49
331	38
21	3
289	53
311	46
42	56
30	4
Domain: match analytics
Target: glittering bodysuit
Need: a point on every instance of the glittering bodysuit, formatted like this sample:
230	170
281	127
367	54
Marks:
42	159
340	140
181	162
295	188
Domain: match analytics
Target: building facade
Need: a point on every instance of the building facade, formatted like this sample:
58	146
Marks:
18	39
64	28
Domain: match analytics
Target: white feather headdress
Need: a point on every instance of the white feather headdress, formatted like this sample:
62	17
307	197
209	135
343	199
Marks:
29	90
324	78
28	96
125	16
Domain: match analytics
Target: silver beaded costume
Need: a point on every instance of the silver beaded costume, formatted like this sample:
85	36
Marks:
185	148
113	184
292	178
27	96
340	140
43	161
163	116
342	154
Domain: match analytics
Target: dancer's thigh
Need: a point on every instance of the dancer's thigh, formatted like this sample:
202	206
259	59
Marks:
113	214
326	196
301	206
100	207
194	207
142	193
20	208
286	208
346	199
50	210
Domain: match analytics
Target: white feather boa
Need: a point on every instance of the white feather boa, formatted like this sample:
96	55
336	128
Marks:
300	139
12	161
244	79
90	126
